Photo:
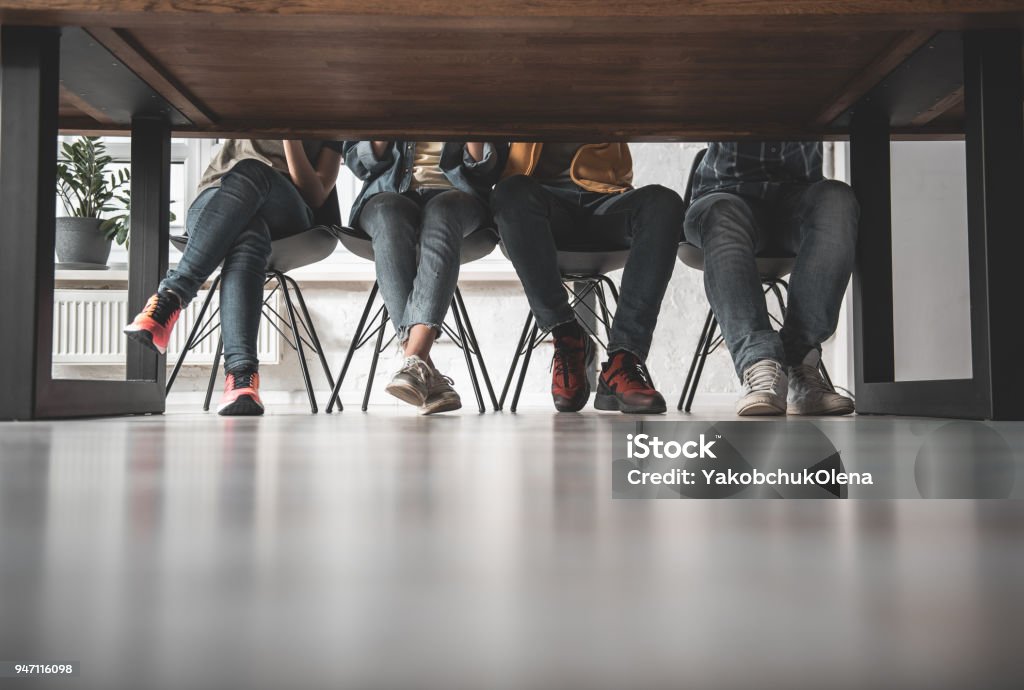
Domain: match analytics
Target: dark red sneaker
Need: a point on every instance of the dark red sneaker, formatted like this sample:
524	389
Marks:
570	387
152	327
625	385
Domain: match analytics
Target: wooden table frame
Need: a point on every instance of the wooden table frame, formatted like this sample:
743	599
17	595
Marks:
990	69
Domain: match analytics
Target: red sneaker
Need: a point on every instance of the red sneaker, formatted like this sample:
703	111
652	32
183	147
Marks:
241	395
152	327
570	387
625	385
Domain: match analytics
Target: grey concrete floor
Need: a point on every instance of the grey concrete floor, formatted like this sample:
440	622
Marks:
387	550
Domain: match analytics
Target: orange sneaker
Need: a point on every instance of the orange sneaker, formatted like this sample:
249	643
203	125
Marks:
241	394
152	327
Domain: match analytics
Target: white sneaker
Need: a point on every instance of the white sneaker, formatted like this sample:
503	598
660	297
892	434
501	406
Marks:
764	390
810	394
411	382
441	397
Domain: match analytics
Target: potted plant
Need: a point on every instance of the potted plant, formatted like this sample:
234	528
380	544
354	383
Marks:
88	192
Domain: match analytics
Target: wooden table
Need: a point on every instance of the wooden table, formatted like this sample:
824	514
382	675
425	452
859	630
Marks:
653	70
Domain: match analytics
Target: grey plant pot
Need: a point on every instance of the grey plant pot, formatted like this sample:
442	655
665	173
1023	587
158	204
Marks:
79	240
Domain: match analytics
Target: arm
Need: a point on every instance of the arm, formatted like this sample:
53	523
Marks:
314	184
363	159
484	161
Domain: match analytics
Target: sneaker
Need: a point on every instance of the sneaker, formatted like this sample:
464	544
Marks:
152	327
764	390
570	386
625	385
411	383
241	394
811	394
441	397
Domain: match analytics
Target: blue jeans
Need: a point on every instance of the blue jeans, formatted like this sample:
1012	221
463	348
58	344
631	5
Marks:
535	221
417	238
817	223
234	224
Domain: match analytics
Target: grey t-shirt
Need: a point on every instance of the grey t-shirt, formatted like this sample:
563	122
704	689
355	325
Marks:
268	151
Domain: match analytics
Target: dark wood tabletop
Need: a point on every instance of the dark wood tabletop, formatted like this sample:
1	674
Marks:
570	69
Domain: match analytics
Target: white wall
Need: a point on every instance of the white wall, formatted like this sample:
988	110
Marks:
931	295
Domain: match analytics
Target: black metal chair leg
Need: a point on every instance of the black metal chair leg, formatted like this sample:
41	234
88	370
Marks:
606	316
476	348
701	345
469	356
297	335
353	346
213	373
376	356
523	343
190	341
526	365
778	296
307	323
705	351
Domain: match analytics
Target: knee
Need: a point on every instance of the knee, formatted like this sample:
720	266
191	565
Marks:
664	207
253	171
388	213
515	191
720	219
836	204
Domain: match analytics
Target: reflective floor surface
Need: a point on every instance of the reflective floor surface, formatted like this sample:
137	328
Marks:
386	550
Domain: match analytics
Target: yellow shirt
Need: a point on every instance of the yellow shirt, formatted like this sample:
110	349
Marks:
426	166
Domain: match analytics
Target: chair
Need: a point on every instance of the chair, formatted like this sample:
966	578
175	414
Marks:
772	267
302	249
476	245
584	273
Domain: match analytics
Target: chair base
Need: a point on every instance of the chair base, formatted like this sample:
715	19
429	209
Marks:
299	332
374	327
532	336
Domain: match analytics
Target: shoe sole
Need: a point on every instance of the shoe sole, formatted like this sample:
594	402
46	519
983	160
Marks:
243	406
445	406
610	403
144	337
405	393
760	410
833	412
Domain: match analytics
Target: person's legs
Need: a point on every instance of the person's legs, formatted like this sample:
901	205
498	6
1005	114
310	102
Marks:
221	214
393	223
650	221
819	224
529	219
532	221
729	230
447	218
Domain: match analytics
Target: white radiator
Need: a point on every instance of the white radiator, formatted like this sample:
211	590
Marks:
87	329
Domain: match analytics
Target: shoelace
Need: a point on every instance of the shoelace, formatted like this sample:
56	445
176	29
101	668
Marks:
809	377
560	362
634	372
418	367
762	377
160	306
243	379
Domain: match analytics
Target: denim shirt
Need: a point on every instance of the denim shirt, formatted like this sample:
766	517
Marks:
393	172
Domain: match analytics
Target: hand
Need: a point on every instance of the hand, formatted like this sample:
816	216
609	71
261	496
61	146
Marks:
379	148
476	150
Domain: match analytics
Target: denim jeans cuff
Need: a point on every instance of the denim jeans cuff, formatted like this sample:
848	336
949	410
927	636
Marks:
556	324
635	351
238	365
403	332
